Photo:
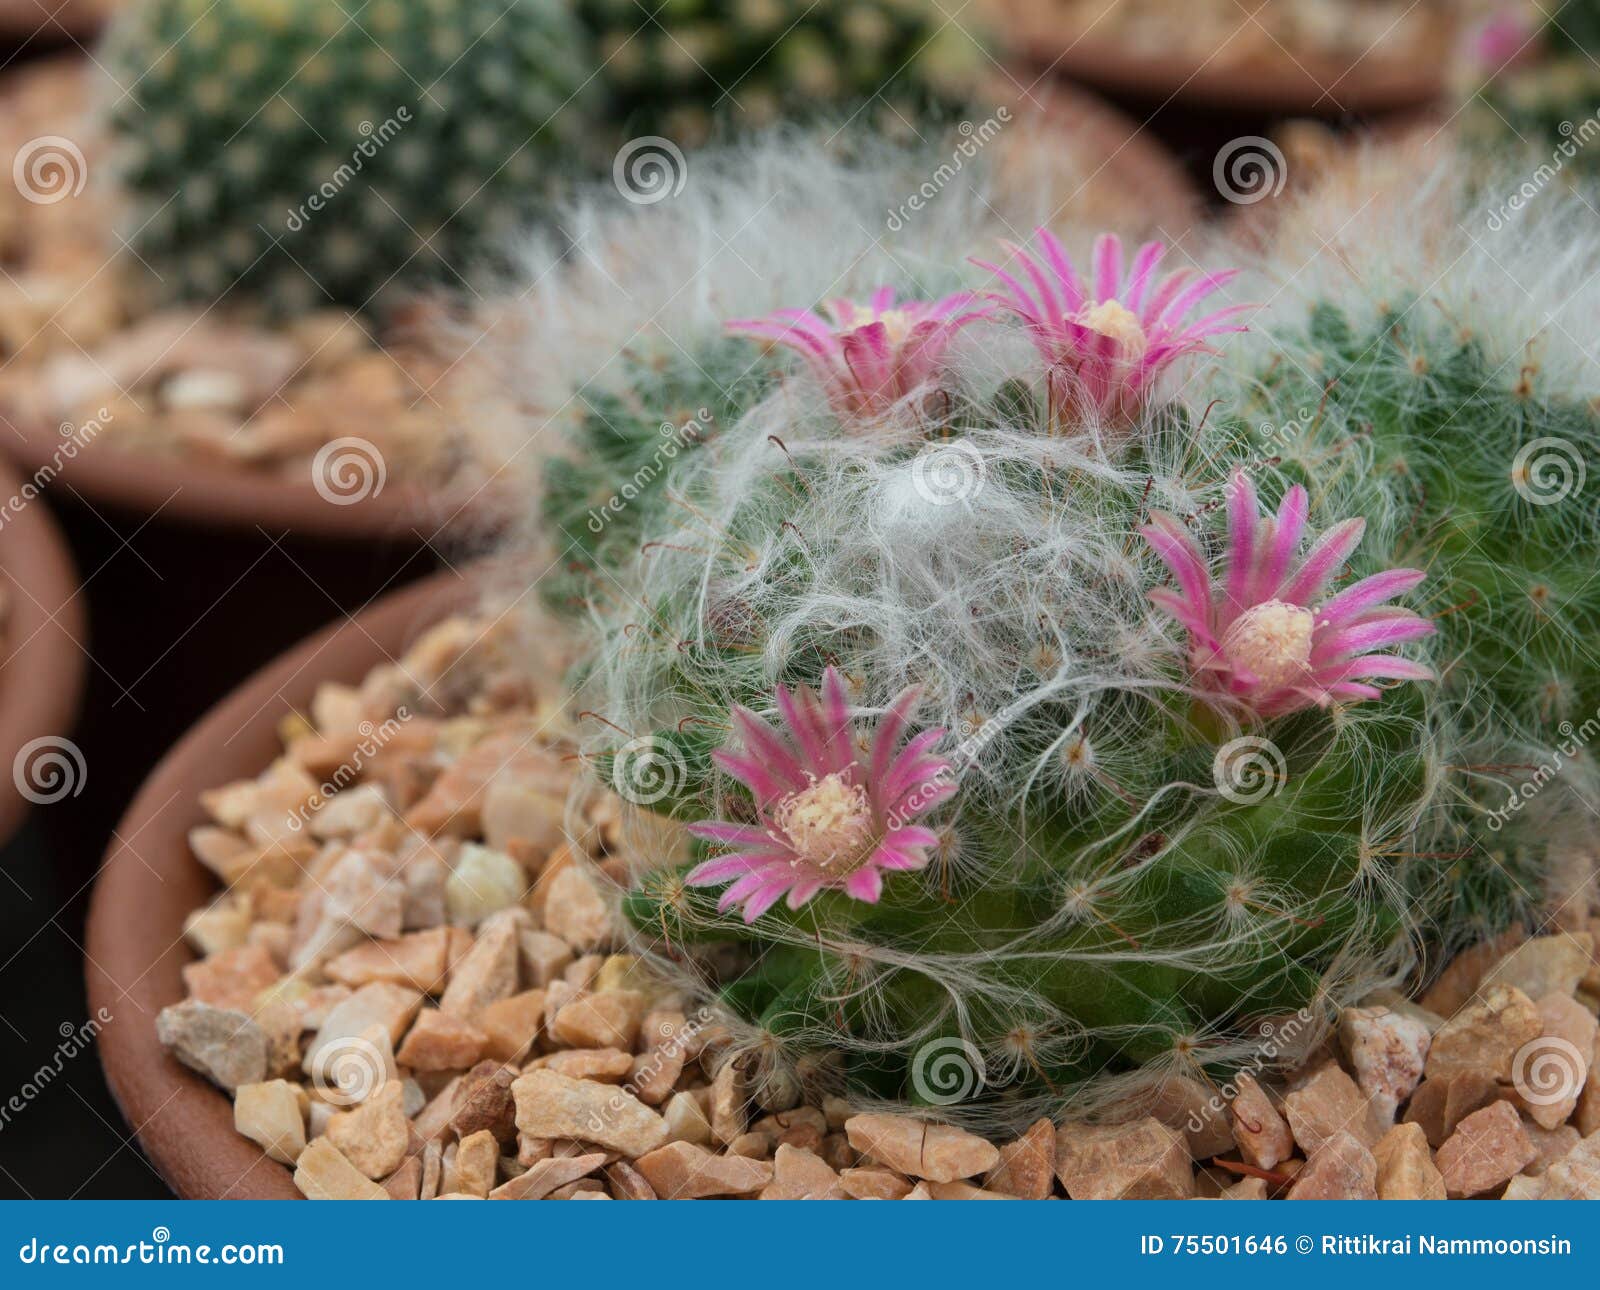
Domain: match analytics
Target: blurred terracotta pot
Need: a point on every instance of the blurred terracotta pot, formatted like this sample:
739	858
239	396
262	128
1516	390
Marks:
42	654
28	20
150	884
1278	82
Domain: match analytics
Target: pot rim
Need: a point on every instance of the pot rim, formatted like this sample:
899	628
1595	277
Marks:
150	883
43	656
212	495
24	20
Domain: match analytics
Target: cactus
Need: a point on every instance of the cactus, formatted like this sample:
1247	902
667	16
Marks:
316	151
1017	696
1531	72
676	67
951	774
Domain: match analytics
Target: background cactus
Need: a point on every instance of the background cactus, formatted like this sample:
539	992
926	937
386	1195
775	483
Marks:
676	67
1156	821
1536	88
316	151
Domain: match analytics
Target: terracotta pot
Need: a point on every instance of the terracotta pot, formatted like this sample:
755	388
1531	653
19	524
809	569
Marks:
26	21
211	495
1304	84
150	883
1131	162
42	655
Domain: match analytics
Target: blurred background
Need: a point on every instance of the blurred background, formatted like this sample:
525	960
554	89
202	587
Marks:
235	232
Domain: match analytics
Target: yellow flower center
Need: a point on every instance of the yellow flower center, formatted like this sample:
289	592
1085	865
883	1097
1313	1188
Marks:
1273	640
1114	319
828	824
897	323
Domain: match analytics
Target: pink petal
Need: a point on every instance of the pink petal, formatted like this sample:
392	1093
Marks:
1144	266
766	898
888	732
1291	525
1369	634
865	884
1177	548
1366	594
1326	557
1243	513
1107	266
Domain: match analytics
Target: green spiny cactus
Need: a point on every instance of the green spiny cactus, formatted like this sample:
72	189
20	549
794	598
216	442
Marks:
317	151
1480	466
675	67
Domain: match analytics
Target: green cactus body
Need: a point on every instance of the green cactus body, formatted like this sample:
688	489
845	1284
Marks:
324	151
1481	469
678	67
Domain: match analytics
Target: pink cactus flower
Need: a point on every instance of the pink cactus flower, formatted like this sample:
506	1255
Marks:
1265	639
1105	346
1504	40
829	817
872	357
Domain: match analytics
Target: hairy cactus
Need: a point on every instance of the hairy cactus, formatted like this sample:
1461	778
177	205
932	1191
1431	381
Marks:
1004	700
317	151
675	67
